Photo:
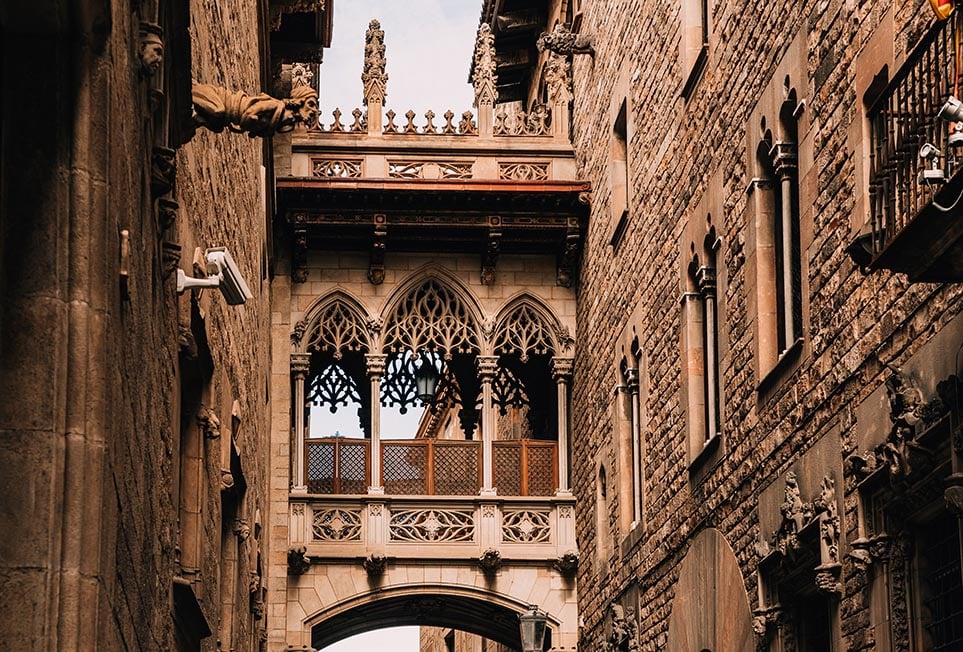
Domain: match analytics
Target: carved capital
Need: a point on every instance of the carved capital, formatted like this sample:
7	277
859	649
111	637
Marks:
300	365
562	369
217	108
375	364
487	366
706	278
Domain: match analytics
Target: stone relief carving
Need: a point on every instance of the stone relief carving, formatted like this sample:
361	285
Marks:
151	48
166	213
373	76
339	329
524	332
336	524
302	75
375	564
209	423
526	526
490	561
432	525
483	73
432	317
537	122
558	79
217	108
298	561
341	168
163	168
523	171
623	636
564	42
567	564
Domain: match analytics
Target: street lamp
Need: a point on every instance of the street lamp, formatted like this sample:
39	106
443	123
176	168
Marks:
531	626
426	379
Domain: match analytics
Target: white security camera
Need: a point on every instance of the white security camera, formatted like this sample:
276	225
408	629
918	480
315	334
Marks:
223	274
928	151
952	110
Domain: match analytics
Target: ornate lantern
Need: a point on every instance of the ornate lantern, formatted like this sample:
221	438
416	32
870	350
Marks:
531	626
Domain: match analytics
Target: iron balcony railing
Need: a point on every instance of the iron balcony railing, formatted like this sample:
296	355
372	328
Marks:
431	467
904	118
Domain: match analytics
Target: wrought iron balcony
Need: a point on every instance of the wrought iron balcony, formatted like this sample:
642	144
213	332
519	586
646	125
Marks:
914	191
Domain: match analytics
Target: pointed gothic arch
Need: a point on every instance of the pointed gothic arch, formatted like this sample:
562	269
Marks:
335	323
526	326
432	311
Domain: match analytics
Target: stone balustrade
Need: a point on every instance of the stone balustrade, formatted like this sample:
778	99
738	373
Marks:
439	528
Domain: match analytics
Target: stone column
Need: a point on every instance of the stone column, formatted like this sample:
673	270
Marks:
376	369
562	373
632	382
487	366
300	364
707	289
785	167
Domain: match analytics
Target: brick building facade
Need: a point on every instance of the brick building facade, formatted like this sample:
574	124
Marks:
763	385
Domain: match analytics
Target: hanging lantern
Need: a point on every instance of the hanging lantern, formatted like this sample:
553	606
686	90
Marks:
943	8
531	625
426	380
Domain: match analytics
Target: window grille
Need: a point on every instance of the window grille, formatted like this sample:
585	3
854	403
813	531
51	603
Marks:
939	549
525	467
337	466
432	467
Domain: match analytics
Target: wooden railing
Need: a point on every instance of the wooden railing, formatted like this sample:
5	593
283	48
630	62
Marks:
525	467
902	119
431	467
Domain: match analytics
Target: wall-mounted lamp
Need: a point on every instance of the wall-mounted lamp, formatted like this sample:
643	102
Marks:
223	273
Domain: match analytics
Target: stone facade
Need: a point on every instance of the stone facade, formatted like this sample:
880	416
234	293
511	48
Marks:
691	147
133	420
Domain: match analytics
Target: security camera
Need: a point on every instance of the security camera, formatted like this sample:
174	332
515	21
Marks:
952	110
929	151
232	285
223	273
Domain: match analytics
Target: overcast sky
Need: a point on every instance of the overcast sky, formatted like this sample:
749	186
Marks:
428	47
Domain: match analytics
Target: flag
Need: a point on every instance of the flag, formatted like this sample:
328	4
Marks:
943	8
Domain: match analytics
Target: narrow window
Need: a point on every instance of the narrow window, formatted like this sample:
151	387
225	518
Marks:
619	174
694	48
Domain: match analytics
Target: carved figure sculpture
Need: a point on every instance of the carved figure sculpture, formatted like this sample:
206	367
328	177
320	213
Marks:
151	48
562	41
261	115
623	634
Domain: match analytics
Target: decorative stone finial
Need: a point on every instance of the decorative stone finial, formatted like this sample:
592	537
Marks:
261	115
374	77
562	41
484	67
302	75
558	79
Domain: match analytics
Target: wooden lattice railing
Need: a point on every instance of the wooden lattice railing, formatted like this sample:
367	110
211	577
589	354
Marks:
525	467
902	119
431	467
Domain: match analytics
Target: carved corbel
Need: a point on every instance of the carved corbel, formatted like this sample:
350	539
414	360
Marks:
567	564
375	564
298	561
163	168
151	48
565	42
217	108
170	258
166	213
299	256
209	423
490	561
490	255
568	256
241	529
379	243
227	480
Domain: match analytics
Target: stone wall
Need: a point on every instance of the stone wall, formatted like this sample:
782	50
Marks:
91	410
687	153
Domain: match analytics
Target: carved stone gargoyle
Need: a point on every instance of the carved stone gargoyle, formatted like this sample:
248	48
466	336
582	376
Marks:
217	108
490	561
562	41
298	561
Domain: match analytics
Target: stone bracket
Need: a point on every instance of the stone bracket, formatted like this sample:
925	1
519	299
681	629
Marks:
376	265
492	247
299	255
568	256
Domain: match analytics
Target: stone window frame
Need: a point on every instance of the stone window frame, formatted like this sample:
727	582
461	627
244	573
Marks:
695	17
704	281
620	137
630	424
780	111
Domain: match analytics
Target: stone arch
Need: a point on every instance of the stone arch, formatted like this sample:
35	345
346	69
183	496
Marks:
335	323
432	310
526	326
710	610
487	613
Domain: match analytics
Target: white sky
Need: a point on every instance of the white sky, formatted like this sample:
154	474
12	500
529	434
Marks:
428	47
